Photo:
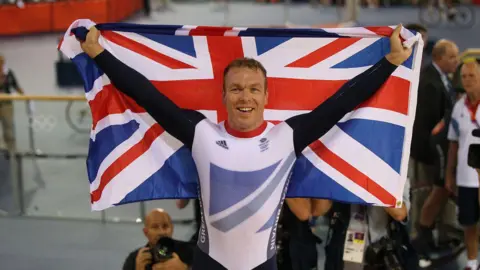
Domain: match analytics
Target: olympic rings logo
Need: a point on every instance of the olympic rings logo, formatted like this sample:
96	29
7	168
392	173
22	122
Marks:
44	123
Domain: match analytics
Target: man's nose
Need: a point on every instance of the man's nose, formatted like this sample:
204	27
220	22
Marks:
245	95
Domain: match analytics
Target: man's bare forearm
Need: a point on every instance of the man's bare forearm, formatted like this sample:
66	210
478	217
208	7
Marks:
320	207
300	207
399	214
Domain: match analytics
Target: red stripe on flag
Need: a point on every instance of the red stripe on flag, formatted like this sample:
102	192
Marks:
283	93
220	62
209	31
126	159
323	53
380	30
144	50
352	173
191	94
206	95
383	31
394	95
111	101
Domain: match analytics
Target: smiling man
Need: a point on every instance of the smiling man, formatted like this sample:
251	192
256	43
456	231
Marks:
244	164
245	94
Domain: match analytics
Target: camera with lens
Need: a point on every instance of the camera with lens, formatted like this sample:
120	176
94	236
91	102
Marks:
163	250
381	255
474	151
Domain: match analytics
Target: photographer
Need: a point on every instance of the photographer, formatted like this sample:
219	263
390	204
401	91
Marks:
369	237
161	252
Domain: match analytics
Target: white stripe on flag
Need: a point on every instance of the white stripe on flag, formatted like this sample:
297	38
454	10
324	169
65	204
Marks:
185	30
290	51
97	87
137	136
249	47
234	32
281	115
362	158
376	114
351	31
210	115
344	54
158	72
137	172
332	74
368	113
122	118
404	73
340	178
70	46
169	51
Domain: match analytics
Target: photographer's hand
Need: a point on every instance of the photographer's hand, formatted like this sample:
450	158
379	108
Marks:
173	264
144	258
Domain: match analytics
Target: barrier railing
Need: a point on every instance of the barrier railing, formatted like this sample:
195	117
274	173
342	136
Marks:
45	177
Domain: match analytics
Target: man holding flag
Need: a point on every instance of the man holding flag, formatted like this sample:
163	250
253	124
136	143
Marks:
244	155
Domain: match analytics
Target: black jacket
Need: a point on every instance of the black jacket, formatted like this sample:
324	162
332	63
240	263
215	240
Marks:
298	243
9	83
434	103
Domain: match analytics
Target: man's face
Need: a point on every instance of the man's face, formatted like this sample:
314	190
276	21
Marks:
449	61
471	78
245	97
158	225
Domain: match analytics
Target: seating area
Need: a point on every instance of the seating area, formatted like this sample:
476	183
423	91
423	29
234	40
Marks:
55	16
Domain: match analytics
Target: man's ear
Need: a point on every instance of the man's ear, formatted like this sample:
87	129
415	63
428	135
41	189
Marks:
224	96
145	231
266	96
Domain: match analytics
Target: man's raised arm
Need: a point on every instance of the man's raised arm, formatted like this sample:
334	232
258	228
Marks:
311	126
127	80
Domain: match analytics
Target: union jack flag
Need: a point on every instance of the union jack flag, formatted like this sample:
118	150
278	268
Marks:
363	159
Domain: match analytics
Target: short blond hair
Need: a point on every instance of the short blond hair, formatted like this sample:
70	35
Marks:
440	48
245	62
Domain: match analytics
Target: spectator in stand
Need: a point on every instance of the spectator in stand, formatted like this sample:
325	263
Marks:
8	84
